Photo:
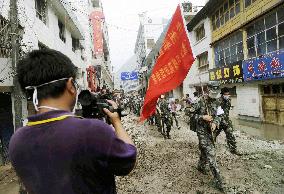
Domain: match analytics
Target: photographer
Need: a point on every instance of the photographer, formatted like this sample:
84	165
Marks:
58	152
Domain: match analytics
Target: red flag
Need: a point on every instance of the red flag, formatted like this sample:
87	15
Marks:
172	65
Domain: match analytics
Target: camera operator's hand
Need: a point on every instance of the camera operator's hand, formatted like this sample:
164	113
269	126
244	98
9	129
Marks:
114	116
115	120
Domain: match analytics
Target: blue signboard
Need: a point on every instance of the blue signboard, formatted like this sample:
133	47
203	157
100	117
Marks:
129	75
269	66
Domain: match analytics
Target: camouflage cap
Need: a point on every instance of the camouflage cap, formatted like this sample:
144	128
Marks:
214	85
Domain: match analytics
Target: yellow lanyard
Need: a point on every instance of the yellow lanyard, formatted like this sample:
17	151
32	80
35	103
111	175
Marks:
51	120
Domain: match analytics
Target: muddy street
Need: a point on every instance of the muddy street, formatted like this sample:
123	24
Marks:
169	166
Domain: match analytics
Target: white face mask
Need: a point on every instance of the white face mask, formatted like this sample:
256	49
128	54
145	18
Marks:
226	97
78	90
35	99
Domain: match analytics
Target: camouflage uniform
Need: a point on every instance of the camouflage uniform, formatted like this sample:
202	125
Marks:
206	141
226	125
166	117
157	118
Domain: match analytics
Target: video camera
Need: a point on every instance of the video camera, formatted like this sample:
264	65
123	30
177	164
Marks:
94	103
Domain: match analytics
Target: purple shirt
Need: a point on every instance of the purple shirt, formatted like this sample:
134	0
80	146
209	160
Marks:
69	156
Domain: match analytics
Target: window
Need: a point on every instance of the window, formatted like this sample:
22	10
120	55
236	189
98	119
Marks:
96	3
201	89
200	32
40	6
187	7
150	43
203	64
61	31
229	50
237	6
266	89
276	89
273	89
249	2
266	35
75	44
227	11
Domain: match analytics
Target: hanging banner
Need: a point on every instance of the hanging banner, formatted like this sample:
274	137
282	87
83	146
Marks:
91	78
129	75
269	66
97	18
228	74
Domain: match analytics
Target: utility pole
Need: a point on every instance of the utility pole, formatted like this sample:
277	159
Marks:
16	91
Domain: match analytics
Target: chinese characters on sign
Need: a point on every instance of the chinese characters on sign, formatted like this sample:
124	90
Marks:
97	18
172	65
129	75
227	74
270	66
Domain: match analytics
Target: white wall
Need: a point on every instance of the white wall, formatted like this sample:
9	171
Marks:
36	31
153	28
248	100
6	72
194	78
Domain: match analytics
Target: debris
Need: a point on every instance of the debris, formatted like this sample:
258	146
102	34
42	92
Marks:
268	166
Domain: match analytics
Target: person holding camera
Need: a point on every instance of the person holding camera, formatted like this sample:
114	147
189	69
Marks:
58	152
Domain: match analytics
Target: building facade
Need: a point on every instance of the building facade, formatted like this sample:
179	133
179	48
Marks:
100	38
149	32
198	76
247	46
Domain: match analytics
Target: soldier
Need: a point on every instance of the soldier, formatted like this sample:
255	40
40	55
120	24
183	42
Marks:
174	107
226	124
157	116
208	116
166	116
191	110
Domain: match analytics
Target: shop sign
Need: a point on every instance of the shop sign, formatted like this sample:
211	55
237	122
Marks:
227	74
269	66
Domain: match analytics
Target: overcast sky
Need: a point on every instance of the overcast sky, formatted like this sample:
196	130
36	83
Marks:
123	23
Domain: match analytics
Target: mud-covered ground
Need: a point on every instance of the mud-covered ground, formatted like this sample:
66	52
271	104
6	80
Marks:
169	166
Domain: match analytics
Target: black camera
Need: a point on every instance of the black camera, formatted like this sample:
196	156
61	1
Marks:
94	103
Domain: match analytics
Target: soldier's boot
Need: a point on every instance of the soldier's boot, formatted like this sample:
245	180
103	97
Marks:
233	148
168	135
203	170
236	152
218	184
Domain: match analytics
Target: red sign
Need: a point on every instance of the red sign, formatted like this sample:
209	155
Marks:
91	78
97	18
174	61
